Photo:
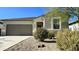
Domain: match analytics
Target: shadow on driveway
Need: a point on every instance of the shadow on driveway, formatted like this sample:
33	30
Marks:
50	41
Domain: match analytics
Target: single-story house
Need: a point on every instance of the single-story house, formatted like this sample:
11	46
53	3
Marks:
26	26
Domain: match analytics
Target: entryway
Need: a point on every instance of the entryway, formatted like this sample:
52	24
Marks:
39	24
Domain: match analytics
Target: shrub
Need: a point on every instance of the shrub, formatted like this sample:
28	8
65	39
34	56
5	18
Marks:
52	34
41	34
68	40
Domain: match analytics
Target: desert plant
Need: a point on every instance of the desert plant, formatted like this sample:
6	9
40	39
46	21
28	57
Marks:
41	34
68	40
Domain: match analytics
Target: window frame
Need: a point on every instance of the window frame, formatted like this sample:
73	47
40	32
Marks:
52	24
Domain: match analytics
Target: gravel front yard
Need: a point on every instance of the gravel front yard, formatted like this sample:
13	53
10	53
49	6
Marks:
31	44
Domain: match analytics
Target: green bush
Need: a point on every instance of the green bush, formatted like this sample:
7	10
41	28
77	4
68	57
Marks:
41	34
52	34
68	40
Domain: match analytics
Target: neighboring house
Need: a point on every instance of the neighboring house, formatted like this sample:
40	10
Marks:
26	26
74	23
2	28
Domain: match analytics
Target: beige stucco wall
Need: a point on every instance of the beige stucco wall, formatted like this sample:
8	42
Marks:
18	22
39	19
47	23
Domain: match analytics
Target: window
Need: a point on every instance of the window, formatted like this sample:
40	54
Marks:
56	23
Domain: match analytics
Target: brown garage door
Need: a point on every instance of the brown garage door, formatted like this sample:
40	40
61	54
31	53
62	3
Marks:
16	29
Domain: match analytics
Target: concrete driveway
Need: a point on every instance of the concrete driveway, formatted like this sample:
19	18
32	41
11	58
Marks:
8	41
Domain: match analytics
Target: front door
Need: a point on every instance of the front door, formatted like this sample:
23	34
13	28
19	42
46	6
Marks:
39	24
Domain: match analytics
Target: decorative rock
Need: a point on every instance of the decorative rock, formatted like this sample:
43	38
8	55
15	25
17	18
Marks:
39	46
43	45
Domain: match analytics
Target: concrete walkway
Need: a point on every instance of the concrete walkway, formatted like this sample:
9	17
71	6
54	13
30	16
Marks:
8	41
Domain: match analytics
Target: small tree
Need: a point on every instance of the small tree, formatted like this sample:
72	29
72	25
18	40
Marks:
72	11
58	12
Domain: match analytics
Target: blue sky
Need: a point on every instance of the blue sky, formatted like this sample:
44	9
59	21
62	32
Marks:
73	19
20	12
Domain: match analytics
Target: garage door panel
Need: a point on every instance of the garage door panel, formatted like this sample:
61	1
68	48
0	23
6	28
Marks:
19	29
